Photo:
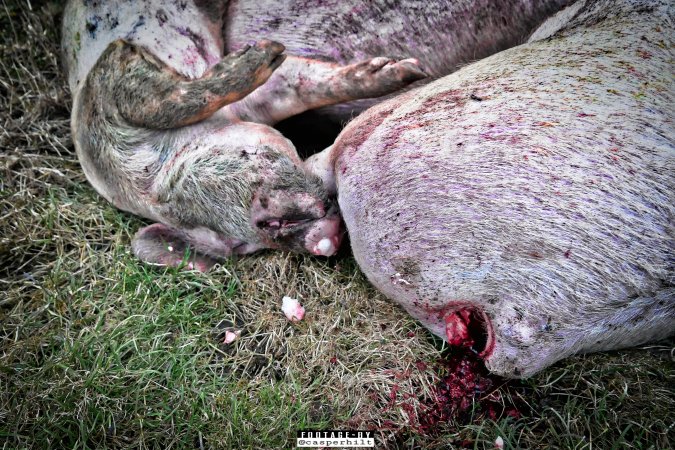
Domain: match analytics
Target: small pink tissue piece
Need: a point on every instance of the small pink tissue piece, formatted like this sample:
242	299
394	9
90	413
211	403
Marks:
292	309
230	336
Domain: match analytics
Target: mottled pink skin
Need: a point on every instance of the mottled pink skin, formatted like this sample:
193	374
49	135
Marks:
442	34
169	125
534	188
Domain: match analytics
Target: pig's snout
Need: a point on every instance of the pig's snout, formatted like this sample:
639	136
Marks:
325	235
468	326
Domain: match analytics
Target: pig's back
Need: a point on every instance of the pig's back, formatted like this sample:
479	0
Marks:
178	33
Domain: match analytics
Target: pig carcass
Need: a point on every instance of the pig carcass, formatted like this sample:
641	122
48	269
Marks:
157	133
524	206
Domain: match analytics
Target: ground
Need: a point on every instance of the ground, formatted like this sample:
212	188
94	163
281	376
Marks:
100	351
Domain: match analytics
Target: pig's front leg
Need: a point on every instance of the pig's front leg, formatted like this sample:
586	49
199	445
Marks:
302	84
149	94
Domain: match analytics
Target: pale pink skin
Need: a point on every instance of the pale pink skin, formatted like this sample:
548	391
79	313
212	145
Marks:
532	191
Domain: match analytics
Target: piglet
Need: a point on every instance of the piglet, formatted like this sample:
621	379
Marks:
160	129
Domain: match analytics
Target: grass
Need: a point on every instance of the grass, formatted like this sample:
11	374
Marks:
99	351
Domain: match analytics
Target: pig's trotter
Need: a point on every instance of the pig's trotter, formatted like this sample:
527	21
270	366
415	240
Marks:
302	84
246	69
149	94
377	76
163	246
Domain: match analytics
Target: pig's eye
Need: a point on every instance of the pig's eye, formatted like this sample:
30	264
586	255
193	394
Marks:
280	223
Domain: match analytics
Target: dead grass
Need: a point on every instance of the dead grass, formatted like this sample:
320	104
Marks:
98	351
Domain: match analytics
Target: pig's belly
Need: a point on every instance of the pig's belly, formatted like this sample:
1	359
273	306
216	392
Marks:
175	32
533	187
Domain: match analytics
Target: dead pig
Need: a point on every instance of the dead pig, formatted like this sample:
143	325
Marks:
158	134
441	34
524	206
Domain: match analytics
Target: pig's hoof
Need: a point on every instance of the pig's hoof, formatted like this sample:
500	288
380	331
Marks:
407	70
379	76
160	245
256	62
269	53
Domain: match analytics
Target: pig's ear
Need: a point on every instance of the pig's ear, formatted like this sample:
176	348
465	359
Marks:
164	246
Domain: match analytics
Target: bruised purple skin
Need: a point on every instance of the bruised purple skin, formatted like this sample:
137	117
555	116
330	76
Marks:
165	128
524	206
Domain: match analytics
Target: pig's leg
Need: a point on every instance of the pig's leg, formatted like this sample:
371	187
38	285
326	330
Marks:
149	94
302	84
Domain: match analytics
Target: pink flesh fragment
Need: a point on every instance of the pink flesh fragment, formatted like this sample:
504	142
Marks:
293	310
230	336
456	329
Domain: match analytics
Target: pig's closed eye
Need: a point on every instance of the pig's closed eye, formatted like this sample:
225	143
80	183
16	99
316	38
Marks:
280	223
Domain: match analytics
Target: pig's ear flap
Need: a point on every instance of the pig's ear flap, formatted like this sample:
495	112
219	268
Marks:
160	245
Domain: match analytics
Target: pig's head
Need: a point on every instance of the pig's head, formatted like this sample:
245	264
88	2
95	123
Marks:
290	208
292	211
241	188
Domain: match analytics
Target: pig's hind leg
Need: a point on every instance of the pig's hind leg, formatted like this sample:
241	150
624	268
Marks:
302	84
146	93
